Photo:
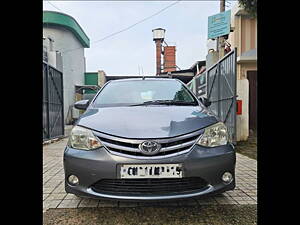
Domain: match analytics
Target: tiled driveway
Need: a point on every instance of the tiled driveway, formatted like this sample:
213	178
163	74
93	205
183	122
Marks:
54	195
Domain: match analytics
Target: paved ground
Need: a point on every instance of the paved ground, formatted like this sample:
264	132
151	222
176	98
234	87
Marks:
190	215
54	195
249	147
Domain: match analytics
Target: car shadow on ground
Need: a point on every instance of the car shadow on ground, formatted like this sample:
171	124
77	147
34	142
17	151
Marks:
205	214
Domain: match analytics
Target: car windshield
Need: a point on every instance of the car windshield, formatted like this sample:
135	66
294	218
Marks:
139	92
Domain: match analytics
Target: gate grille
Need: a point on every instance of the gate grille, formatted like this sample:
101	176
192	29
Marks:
221	91
53	122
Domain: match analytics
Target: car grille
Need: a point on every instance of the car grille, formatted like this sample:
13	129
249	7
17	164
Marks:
158	186
131	146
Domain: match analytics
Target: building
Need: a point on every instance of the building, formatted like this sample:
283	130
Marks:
244	39
186	75
169	64
100	78
198	83
64	41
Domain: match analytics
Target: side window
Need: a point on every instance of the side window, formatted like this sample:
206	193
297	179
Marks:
191	85
202	79
201	85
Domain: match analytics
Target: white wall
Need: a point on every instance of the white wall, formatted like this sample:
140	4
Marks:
73	62
242	121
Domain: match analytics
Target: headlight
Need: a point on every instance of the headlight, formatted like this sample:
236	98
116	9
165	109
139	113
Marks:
82	138
214	135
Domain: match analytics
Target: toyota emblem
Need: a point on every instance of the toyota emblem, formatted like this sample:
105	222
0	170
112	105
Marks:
149	147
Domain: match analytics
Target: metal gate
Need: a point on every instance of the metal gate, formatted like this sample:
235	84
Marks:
53	105
221	91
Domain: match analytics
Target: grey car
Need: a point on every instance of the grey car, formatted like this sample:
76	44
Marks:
148	139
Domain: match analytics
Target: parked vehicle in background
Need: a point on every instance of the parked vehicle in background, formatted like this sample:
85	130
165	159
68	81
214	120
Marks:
148	139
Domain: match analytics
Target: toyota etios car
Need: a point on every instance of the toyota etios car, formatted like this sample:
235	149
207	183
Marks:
147	139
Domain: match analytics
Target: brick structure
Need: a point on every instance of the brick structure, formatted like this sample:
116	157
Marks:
169	58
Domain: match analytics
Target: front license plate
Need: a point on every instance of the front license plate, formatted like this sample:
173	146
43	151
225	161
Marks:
151	171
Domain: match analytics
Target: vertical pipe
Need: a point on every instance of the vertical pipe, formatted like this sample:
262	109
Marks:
221	39
158	56
235	92
48	101
219	90
222	5
62	102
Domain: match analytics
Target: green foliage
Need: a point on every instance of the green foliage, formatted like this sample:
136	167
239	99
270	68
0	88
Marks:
250	6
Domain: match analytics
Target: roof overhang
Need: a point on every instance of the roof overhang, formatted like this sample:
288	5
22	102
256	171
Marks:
248	57
80	88
246	60
68	22
199	63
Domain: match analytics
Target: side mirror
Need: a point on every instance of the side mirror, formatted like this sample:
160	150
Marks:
205	101
83	104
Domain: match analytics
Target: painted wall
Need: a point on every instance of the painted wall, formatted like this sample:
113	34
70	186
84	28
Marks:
90	78
73	63
244	38
244	67
242	121
101	78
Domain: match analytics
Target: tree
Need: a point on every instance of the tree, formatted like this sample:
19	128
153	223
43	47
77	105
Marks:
250	6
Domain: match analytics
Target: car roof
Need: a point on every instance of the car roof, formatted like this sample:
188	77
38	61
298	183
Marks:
145	78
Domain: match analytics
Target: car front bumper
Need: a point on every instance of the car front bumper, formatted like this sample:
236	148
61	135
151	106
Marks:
92	166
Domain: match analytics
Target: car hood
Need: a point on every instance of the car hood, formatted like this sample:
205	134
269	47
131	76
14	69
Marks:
155	121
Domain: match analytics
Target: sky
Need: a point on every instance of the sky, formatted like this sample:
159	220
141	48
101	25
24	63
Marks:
132	52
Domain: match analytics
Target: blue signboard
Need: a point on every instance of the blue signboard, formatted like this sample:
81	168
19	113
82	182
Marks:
219	24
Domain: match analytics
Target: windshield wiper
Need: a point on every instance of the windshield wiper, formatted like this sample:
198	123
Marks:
165	102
